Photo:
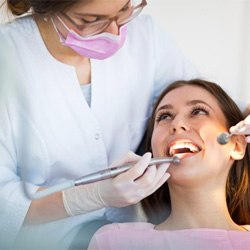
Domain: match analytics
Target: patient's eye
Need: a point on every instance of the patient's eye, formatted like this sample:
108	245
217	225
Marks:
199	110
164	115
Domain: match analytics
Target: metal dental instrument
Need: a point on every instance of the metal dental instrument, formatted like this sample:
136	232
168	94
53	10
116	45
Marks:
98	176
114	171
224	138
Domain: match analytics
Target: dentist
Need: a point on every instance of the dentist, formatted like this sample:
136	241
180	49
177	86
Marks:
78	98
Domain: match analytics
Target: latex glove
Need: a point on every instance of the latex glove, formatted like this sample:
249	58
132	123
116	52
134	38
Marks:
123	190
242	128
135	184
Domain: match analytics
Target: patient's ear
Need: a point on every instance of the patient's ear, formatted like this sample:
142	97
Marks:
239	148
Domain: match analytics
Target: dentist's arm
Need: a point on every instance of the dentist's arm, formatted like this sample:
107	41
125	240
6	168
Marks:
126	189
47	209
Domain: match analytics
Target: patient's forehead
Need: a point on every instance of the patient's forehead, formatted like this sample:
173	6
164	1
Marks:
184	94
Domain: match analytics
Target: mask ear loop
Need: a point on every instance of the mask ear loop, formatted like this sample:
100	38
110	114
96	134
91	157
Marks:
62	22
62	39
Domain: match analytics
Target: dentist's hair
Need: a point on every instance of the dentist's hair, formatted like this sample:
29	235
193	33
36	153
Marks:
158	205
44	7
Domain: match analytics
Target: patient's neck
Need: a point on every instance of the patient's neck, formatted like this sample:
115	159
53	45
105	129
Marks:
198	208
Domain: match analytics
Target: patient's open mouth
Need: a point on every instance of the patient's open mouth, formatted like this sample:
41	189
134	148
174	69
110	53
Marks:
182	148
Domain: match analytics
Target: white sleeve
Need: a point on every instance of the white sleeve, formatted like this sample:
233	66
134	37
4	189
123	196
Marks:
13	202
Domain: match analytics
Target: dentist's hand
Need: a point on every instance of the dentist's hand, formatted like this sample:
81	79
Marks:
242	128
123	190
135	184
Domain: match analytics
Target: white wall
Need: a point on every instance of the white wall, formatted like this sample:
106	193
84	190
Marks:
214	34
245	91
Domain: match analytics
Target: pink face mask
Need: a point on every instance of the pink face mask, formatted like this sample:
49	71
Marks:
100	46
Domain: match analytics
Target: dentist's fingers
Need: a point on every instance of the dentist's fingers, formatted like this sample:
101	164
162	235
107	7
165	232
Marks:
147	177
243	127
138	169
247	120
239	128
129	157
152	175
163	179
150	185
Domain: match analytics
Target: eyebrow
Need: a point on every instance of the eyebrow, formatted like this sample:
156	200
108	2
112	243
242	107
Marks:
189	103
91	14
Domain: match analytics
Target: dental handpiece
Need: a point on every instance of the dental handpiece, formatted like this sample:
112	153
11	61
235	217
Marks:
114	171
97	176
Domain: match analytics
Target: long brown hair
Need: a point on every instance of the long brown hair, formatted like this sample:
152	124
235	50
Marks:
44	7
158	205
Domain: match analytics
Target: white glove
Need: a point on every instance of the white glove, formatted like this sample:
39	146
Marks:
242	128
123	190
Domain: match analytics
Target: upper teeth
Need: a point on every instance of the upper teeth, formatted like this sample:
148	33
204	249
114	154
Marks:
183	145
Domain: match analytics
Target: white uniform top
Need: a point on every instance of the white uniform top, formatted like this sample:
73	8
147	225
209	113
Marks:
48	132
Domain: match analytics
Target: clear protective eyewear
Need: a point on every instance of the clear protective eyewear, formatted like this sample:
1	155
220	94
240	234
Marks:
129	12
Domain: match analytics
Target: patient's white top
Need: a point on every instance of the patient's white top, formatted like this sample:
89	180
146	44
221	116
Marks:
48	132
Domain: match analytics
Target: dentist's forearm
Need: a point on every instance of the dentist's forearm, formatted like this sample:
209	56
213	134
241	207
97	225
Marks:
46	209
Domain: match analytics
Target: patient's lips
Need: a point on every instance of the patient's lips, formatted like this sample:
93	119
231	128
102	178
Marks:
182	148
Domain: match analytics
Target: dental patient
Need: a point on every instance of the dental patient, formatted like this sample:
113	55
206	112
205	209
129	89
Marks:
205	203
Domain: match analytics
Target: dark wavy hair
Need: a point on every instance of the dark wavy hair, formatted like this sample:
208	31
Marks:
158	205
44	7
